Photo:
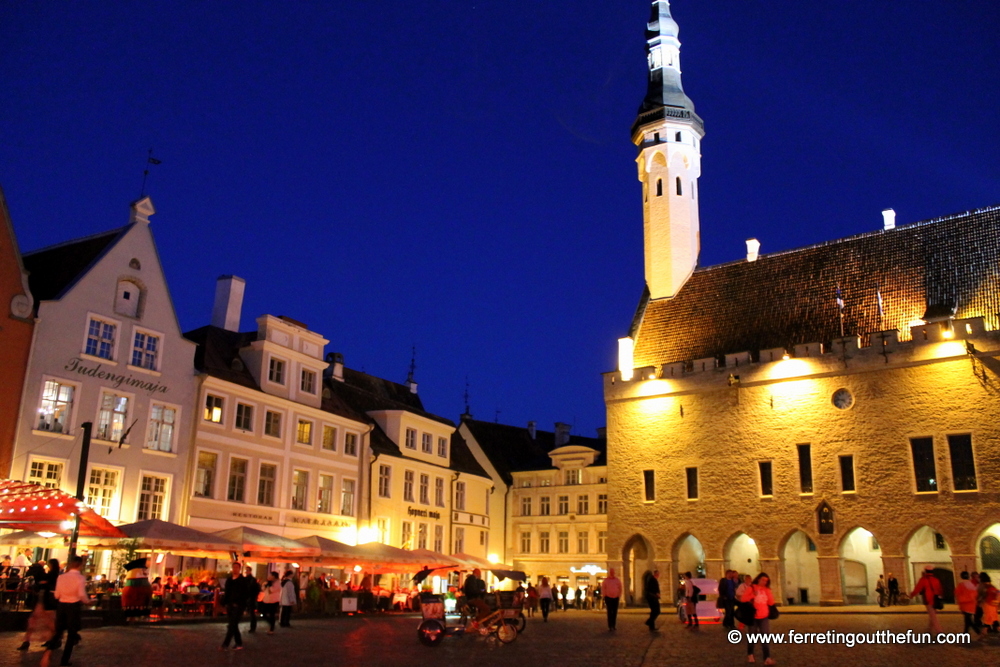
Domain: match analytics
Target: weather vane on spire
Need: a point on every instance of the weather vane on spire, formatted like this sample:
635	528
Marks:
145	172
413	364
465	395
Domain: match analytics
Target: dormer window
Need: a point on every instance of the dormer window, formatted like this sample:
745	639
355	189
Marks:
573	477
127	298
308	381
276	371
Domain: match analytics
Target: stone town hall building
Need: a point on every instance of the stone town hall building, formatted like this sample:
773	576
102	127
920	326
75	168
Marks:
826	414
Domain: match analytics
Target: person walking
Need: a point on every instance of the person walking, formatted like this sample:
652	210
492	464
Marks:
881	590
651	592
965	595
930	587
691	594
893	586
236	601
611	592
71	592
759	592
253	592
288	599
42	622
545	598
563	594
532	600
990	600
727	597
272	598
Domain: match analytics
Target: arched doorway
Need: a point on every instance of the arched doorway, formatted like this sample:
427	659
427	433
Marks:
801	569
988	552
637	558
928	547
689	556
742	555
860	565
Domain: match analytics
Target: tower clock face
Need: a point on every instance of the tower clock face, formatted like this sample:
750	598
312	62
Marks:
843	399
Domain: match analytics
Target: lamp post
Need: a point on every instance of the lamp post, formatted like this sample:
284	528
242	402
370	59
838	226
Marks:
81	486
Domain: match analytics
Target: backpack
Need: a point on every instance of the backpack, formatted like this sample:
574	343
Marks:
695	593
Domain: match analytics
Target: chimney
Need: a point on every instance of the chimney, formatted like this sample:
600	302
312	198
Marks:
531	429
753	248
888	219
562	433
228	302
336	367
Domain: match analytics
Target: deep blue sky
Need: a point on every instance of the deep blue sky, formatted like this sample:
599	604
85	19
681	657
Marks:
458	175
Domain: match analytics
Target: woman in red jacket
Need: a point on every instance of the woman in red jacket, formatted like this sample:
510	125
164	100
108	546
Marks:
759	592
930	587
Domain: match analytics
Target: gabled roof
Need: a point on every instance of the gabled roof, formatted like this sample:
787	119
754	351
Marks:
218	354
56	268
512	449
788	298
462	459
367	393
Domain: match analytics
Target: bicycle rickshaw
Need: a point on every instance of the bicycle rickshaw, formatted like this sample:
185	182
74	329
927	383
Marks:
501	623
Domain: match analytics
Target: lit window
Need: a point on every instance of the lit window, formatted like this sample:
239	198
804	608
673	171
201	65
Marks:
443	447
145	348
244	417
276	371
56	407
303	434
101	490
384	481
272	424
308	381
326	494
300	489
265	484
213	409
160	435
237	480
329	438
204	478
427	443
572	477
347	497
411	438
351	444
46	473
151	498
408	478
112	417
100	339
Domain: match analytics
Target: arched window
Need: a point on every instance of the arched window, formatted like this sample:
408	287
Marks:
989	550
677	137
127	298
680	189
824	516
659	187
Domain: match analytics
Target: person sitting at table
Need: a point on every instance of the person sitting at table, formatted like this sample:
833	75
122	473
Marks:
170	585
157	586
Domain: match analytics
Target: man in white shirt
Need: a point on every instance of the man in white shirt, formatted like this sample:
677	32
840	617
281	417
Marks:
71	592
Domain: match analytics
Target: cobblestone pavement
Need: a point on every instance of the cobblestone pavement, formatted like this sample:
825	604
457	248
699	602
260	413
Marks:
568	639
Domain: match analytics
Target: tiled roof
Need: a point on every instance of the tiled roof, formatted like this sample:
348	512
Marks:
462	458
367	393
218	354
789	298
56	268
512	449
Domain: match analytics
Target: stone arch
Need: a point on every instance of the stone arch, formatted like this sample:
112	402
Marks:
799	558
921	548
741	553
637	558
860	565
688	553
988	561
658	160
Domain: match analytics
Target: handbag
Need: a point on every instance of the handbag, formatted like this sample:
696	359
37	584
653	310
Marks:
772	611
745	612
938	602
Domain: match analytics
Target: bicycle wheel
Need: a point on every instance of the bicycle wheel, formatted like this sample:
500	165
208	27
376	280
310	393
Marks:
506	632
522	622
430	632
682	612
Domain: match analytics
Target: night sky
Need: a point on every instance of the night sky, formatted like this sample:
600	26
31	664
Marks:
458	176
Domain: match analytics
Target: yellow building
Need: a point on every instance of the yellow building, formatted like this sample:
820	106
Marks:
826	415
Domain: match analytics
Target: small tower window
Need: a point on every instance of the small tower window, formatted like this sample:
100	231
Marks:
677	137
127	298
659	187
680	189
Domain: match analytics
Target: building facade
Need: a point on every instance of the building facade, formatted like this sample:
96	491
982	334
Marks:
826	415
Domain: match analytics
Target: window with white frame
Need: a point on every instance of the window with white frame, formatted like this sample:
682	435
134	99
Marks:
602	541
56	408
526	506
427	443
460	495
425	489
382	528
544	506
100	339
102	488
112	416
329	438
583	504
384	481
443	447
308	383
303	434
408	480
602	503
573	477
237	480
325	498
439	491
265	484
563	504
272	423
204	478
422	536
438	538
582	542
152	497
543	542
347	497
411	438
276	371
213	409
46	473
526	543
244	417
406	535
160	434
564	542
145	350
459	540
351	444
300	489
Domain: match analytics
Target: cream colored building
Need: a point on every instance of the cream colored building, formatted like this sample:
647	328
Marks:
825	415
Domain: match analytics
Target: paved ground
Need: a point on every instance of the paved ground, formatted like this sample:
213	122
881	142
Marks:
568	639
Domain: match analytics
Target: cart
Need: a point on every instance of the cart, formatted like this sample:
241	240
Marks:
501	623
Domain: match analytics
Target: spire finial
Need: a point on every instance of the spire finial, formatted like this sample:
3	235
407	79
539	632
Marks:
413	364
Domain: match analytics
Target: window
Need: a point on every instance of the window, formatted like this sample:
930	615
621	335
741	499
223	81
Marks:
213	409
382	526
351	444
112	416
583	504
151	498
276	371
525	506
244	417
649	484
265	484
300	489
659	187
160	435
304	432
923	464
875	546
847	474
443	447
325	496
459	540
127	297
460	495
805	469
543	542
308	381
602	541
347	497
384	481
204	478
602	503
102	489
237	480
145	349
989	551
439	492
680	189
407	535
583	542
692	483
824	517
411	438
484	540
939	542
564	542
543	506
526	543
766	483
438	538
329	438
426	443
46	473
963	466
272	424
100	339
572	477
425	489
545	482
422	536
408	478
55	410
563	504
